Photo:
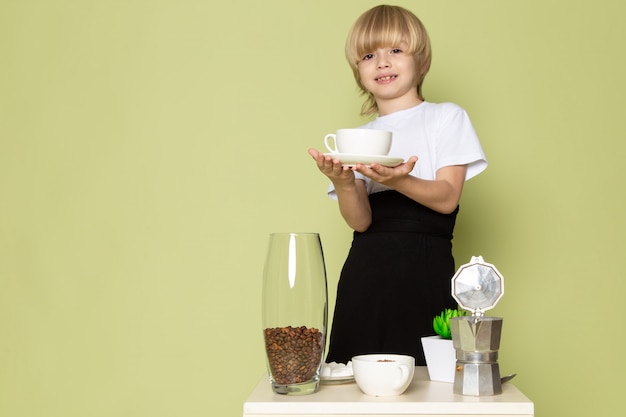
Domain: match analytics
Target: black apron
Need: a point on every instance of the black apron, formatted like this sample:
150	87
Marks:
396	278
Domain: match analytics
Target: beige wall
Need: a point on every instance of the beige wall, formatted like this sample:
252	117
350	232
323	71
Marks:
148	147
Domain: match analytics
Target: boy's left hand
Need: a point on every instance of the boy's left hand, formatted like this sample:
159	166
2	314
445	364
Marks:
387	175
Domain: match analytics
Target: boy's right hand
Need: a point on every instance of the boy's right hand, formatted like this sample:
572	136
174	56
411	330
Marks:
332	168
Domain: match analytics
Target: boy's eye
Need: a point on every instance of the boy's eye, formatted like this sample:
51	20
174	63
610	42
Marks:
396	51
367	56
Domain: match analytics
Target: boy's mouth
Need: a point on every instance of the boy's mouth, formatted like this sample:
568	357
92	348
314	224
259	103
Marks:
385	78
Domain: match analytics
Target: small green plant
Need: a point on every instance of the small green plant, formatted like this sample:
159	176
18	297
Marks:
441	323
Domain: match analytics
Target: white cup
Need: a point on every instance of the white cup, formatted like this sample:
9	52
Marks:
359	141
382	375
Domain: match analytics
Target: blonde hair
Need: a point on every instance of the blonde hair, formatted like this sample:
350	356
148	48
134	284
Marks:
381	27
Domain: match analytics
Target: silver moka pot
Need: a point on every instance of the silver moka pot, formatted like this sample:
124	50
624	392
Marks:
477	287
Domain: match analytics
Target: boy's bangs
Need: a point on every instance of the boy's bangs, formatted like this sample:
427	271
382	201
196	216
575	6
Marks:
382	33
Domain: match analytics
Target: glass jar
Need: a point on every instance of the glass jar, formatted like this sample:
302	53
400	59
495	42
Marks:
295	312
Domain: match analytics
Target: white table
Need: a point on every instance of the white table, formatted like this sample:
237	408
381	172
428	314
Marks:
422	398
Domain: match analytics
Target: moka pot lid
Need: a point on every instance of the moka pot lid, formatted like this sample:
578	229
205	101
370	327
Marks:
477	286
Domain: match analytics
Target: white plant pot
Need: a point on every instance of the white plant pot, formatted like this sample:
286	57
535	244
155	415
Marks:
440	358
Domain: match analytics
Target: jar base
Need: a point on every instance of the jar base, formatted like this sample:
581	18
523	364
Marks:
303	388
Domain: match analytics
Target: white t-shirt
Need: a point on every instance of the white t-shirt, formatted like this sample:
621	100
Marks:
439	134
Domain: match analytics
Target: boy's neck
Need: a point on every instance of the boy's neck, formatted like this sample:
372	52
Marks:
392	106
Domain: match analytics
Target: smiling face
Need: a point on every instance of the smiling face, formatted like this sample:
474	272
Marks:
390	75
395	35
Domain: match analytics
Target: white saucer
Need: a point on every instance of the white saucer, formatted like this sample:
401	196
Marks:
343	374
336	380
349	159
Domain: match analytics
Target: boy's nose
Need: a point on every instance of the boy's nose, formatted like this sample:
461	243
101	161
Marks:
383	63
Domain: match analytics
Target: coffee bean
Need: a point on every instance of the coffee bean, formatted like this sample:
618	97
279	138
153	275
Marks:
293	353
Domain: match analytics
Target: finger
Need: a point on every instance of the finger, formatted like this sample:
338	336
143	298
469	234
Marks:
411	162
338	167
369	170
379	169
327	165
313	152
324	163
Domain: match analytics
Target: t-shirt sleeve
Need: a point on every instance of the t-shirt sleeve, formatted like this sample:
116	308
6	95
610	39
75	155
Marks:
458	143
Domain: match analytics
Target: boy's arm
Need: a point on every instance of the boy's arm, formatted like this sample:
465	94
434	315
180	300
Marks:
441	194
354	205
351	193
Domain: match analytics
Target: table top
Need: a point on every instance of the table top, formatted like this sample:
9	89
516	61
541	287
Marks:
423	397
